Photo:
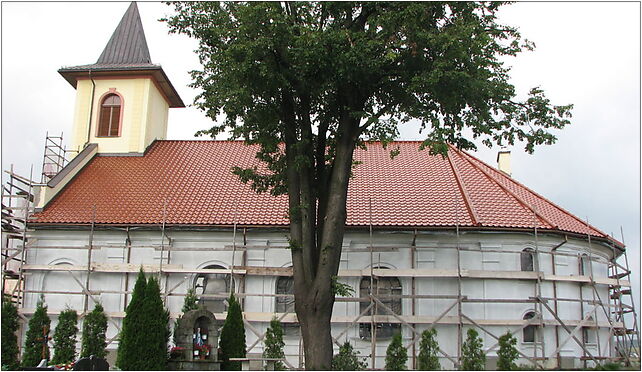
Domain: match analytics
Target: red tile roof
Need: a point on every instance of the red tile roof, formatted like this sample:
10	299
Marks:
192	182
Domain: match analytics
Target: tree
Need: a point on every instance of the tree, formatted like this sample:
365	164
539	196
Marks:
94	329
307	82
232	340
507	354
472	356
65	337
274	343
190	302
348	359
132	341
428	347
9	338
37	332
396	355
156	328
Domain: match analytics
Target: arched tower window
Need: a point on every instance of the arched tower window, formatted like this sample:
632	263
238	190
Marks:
529	333
585	265
527	259
213	289
285	285
109	119
385	288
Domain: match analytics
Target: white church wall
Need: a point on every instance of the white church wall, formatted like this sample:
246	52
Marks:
436	251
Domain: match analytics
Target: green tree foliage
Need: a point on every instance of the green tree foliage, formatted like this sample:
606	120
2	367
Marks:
156	328
33	341
94	329
274	343
307	82
348	359
396	355
428	359
232	340
65	337
507	354
472	355
132	335
9	339
190	302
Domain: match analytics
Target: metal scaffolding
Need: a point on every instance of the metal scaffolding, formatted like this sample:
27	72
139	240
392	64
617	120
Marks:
620	345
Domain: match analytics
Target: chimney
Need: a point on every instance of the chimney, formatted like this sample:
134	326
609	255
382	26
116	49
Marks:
503	162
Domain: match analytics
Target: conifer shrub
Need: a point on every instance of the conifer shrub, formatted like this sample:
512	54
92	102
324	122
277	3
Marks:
472	355
156	328
145	331
396	355
507	353
94	329
190	302
427	359
131	344
9	339
348	359
65	337
232	341
273	347
33	347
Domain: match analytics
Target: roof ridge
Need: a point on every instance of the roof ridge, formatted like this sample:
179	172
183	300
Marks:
462	188
504	189
510	179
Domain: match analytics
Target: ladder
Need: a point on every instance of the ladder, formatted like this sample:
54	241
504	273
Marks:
54	158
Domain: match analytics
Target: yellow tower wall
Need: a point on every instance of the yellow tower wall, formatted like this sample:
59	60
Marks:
144	114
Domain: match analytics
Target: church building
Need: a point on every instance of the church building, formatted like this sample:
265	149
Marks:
450	243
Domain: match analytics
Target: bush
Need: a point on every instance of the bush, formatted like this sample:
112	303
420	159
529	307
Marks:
132	340
428	359
145	329
232	341
274	343
157	327
9	338
38	323
472	356
65	337
190	302
348	360
396	355
94	328
507	354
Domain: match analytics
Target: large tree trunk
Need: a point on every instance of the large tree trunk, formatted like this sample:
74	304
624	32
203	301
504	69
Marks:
314	310
316	254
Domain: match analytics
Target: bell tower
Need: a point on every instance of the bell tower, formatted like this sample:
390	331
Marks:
122	100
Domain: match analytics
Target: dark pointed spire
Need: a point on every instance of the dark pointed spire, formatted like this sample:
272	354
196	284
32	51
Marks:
127	44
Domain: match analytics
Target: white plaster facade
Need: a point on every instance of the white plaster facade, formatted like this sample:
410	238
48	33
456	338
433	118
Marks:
490	269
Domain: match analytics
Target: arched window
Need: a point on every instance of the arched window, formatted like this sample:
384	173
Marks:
213	285
589	334
384	289
527	259
530	331
285	285
585	265
109	119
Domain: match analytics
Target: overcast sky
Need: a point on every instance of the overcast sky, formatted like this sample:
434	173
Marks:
587	54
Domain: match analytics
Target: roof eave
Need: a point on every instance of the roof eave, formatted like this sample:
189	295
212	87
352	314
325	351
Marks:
73	74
